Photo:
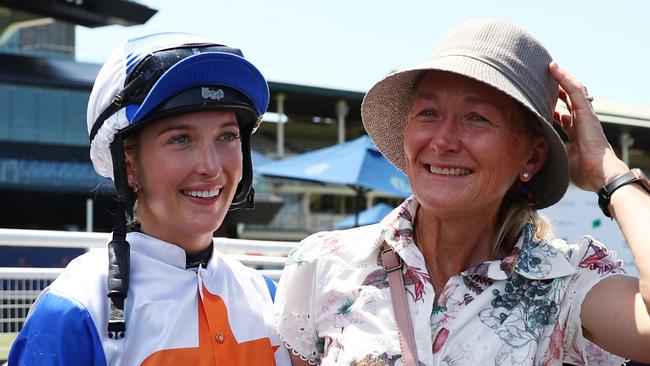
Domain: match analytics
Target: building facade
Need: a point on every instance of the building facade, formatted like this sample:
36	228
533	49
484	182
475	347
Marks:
47	180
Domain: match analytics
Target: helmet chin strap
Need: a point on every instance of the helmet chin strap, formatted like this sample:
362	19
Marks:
119	258
125	193
119	254
248	203
245	195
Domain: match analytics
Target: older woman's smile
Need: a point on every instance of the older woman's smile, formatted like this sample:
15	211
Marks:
448	170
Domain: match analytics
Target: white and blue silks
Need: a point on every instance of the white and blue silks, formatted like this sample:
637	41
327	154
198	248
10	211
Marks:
174	315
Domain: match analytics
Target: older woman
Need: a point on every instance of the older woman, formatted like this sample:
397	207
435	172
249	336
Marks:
484	282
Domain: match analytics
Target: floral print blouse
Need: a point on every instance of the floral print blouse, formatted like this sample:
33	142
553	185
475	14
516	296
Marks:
334	308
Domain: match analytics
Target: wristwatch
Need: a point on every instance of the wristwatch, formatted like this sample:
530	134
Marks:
633	176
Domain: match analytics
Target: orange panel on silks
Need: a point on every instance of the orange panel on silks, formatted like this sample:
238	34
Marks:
217	343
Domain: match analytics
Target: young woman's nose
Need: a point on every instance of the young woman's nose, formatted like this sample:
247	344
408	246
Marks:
208	162
447	135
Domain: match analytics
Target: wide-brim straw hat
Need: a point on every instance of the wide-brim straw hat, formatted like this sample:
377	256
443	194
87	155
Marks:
499	54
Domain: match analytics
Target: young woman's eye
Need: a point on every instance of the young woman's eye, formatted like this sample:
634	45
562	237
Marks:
229	136
180	139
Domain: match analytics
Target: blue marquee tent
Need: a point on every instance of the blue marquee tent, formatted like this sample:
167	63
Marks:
357	164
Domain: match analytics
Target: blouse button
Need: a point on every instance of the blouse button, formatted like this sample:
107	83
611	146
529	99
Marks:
219	337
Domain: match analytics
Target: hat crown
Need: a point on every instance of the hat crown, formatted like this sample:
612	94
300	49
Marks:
513	52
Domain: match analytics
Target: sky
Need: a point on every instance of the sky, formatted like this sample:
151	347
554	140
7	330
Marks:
351	44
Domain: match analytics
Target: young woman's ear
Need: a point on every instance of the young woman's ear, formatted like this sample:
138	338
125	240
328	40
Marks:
131	171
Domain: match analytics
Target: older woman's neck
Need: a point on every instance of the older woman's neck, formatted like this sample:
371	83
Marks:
453	244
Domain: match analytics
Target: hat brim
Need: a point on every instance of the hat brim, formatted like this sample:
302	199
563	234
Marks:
385	108
209	68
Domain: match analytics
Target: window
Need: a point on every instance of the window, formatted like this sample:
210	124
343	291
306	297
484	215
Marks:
43	115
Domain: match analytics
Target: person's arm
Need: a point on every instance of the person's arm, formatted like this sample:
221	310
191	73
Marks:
615	313
58	332
294	303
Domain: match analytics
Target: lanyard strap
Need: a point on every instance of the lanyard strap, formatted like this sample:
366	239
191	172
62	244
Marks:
393	266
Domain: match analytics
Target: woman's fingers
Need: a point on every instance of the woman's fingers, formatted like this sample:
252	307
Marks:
564	119
561	117
578	98
589	146
564	97
581	121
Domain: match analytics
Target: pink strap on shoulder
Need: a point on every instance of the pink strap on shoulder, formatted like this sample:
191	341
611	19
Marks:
393	266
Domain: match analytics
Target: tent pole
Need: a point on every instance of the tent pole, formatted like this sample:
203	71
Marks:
89	215
280	126
626	141
341	112
306	199
360	197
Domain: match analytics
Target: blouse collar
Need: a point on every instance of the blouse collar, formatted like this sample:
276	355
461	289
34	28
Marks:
531	257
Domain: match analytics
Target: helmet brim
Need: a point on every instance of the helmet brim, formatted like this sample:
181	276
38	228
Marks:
210	68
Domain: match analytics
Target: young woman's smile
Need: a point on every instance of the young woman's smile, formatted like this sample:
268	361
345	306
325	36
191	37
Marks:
202	195
187	169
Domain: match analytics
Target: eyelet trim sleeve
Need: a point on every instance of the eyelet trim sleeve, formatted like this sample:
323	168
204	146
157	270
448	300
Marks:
297	353
295	297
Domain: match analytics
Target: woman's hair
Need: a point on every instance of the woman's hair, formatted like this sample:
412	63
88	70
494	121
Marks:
131	144
516	211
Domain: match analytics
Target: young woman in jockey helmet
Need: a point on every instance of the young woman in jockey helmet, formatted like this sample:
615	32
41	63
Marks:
170	119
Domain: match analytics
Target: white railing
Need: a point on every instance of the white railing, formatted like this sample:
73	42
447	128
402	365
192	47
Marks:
17	295
19	286
69	239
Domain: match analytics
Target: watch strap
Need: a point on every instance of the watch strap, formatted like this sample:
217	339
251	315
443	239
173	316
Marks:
631	176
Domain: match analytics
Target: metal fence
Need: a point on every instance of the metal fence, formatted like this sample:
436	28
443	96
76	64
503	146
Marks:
19	287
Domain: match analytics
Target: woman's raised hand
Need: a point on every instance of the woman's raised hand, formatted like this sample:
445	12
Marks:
592	159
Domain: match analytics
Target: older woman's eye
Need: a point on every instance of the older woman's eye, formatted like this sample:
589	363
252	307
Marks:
429	113
475	117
